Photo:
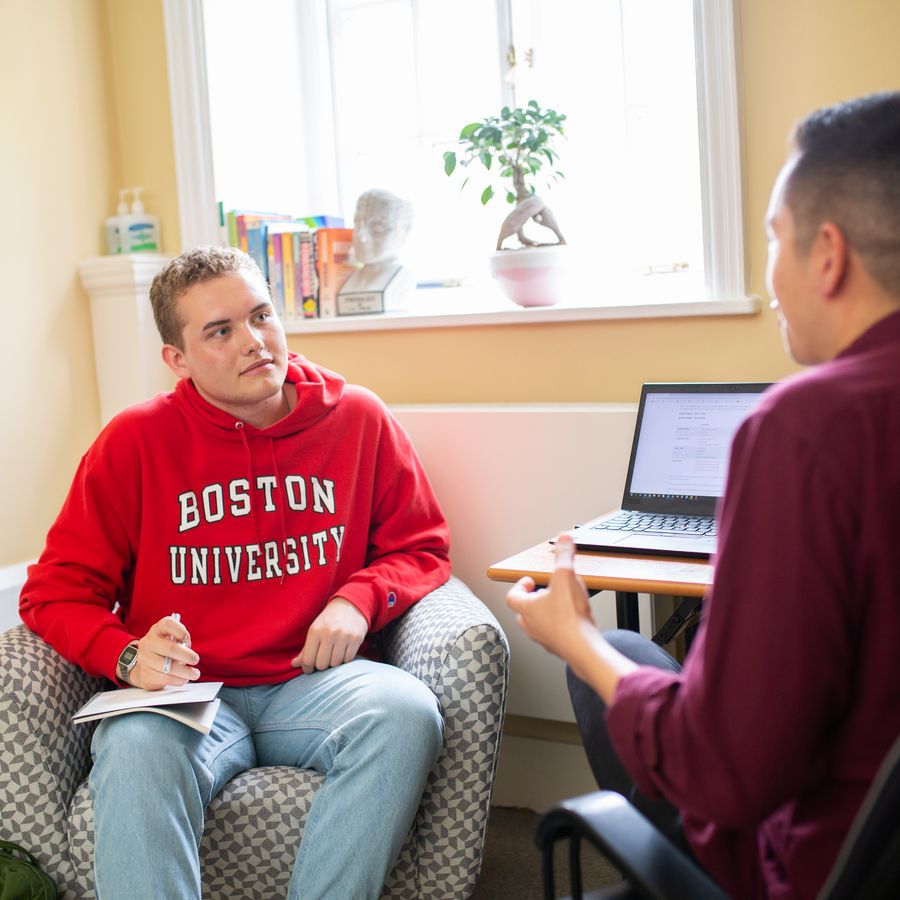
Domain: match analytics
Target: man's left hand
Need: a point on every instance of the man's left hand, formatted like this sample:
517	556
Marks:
558	616
333	638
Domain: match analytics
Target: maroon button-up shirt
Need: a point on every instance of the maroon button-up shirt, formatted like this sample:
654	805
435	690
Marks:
790	696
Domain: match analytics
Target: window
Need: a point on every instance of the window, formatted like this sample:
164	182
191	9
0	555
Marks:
311	102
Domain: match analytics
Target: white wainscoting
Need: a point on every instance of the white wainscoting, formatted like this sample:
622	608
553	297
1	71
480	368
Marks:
11	580
509	477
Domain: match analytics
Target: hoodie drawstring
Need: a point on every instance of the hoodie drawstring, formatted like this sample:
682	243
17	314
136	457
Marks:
282	544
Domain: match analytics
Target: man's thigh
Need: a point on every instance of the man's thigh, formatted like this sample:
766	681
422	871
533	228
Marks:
146	745
305	720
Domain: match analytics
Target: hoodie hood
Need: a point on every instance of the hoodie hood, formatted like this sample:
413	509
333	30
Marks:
318	392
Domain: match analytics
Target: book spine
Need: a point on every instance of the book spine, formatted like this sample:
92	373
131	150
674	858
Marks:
333	247
327	306
241	225
287	274
257	250
308	280
298	287
276	280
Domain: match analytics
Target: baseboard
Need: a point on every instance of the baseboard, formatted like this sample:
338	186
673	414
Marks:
11	580
535	774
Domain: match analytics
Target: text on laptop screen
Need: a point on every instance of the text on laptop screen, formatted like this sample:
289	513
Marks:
685	441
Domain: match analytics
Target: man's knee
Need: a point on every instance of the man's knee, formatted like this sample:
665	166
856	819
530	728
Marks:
409	713
641	650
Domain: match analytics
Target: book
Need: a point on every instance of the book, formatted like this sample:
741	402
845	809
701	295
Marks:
193	704
276	273
323	221
239	220
334	252
309	280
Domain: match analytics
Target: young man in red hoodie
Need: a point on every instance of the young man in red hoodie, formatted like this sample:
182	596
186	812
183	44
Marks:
284	515
768	739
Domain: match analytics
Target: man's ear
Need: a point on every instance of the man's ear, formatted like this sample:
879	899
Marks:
174	359
830	258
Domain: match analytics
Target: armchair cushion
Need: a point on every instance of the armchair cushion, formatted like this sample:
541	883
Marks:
449	640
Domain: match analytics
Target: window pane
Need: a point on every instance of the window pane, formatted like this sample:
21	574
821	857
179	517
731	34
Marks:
408	76
256	104
623	72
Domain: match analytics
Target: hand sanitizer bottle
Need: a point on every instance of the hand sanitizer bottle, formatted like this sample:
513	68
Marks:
112	226
139	230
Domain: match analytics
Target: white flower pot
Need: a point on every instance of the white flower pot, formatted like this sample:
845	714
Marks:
530	276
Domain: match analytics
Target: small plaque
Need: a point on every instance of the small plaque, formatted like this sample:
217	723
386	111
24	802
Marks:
360	304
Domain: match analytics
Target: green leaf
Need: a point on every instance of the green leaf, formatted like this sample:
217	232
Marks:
510	197
469	130
486	195
486	158
449	162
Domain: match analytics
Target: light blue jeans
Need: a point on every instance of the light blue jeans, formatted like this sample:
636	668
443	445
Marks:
373	730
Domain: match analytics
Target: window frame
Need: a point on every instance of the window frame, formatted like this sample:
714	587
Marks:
719	138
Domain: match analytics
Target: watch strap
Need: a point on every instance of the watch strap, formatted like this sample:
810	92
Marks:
122	669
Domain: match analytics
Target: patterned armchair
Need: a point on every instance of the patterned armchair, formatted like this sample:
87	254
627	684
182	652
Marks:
449	640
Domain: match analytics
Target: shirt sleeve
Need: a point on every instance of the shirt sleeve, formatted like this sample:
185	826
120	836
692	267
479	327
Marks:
71	591
736	733
408	541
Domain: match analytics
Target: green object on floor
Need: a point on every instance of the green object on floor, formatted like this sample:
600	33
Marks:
21	878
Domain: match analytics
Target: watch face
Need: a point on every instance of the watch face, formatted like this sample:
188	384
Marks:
128	656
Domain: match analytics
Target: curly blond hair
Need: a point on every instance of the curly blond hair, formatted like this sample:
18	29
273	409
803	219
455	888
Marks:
192	267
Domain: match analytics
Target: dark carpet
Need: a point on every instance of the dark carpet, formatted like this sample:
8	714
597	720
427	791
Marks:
512	863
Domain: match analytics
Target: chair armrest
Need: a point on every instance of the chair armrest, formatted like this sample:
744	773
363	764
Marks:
452	642
645	857
43	756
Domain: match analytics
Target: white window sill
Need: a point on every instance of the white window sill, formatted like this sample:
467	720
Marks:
485	305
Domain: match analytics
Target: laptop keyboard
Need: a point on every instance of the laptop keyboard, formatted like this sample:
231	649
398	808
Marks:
658	523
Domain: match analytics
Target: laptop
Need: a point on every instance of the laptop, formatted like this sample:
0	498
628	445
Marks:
676	474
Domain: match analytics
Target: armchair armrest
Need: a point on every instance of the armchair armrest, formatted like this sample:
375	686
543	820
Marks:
43	756
452	642
648	861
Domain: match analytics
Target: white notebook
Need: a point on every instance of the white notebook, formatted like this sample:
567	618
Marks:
194	704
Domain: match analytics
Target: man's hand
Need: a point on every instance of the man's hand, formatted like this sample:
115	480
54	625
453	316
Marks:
165	638
559	618
556	616
333	638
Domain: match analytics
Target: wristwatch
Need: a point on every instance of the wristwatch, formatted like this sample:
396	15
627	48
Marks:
127	660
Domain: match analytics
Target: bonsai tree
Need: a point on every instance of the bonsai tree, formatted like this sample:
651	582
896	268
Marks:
516	145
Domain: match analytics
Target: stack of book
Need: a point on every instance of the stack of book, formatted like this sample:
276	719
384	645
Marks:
305	260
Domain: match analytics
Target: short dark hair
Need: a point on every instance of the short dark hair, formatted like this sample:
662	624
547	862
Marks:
192	267
848	172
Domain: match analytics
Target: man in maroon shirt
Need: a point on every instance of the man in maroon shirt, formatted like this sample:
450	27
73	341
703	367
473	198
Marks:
789	699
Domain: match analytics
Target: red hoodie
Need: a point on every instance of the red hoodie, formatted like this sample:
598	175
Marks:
246	532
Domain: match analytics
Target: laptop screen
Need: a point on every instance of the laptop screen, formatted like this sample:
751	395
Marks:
682	443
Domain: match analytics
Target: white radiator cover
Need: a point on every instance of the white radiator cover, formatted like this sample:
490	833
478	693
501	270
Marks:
509	477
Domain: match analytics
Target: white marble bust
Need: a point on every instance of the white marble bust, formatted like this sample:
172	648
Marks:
380	227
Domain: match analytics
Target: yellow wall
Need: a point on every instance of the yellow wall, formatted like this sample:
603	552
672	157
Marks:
58	167
91	112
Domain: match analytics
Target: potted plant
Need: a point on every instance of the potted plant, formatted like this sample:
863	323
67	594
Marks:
515	148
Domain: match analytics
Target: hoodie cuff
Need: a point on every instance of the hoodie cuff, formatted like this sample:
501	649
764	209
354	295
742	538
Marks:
361	597
104	651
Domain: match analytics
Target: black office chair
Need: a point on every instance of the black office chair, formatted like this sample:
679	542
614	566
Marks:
867	867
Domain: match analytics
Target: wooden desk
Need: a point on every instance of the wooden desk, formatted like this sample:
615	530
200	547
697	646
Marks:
625	574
